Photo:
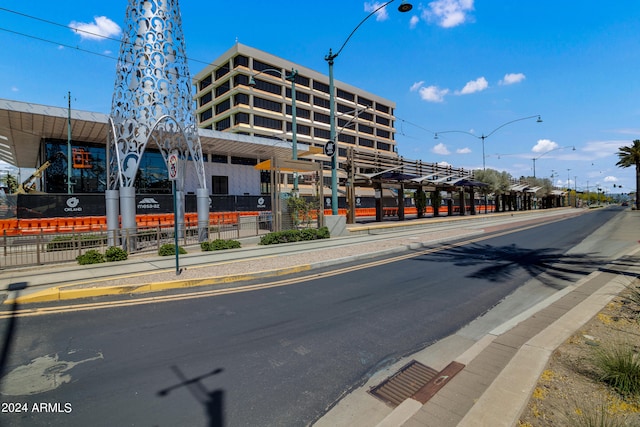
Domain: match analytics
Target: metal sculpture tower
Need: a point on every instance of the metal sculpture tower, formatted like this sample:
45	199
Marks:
152	101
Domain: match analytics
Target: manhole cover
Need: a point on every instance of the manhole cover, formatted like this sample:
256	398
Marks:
404	384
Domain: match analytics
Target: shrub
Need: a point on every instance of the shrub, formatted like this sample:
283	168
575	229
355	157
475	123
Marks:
90	257
288	236
114	253
219	244
619	366
169	249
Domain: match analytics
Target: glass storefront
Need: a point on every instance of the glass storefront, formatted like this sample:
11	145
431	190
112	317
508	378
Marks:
88	171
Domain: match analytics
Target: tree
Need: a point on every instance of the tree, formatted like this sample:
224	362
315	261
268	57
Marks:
630	156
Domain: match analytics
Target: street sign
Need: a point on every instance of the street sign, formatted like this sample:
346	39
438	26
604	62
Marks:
330	148
172	166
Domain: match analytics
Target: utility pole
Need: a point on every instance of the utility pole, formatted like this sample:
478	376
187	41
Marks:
69	145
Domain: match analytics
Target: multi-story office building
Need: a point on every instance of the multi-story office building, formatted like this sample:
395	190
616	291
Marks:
227	102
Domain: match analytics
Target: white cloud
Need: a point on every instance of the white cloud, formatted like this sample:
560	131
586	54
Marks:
444	164
413	22
473	86
465	150
100	28
544	145
440	149
512	78
449	13
433	93
610	179
417	85
14	89
381	15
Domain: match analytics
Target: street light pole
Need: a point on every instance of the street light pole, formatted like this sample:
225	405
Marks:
547	152
404	7
483	136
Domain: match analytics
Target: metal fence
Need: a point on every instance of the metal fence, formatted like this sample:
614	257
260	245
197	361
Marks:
50	248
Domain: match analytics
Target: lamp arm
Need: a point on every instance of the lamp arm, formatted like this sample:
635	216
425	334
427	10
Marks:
508	123
331	56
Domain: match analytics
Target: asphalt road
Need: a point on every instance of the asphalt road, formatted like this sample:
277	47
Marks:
279	356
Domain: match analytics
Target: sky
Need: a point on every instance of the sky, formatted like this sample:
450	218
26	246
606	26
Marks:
461	69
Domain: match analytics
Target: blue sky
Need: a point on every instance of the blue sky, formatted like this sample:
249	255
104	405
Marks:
462	65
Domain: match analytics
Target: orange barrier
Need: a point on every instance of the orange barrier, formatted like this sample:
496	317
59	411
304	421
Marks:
32	226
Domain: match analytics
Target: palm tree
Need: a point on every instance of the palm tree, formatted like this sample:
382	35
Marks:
630	156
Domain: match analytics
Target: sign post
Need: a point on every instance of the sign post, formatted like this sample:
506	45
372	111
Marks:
172	166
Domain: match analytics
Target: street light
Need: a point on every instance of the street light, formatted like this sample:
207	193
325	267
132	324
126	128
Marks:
547	152
404	7
294	126
483	136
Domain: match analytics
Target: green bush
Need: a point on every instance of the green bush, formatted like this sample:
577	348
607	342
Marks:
619	366
288	236
169	249
90	257
220	244
114	253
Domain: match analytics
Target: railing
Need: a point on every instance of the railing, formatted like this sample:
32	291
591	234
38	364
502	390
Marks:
44	247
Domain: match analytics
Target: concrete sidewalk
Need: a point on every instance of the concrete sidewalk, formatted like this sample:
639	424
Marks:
500	368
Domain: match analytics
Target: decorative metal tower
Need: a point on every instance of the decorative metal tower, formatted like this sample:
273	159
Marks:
152	101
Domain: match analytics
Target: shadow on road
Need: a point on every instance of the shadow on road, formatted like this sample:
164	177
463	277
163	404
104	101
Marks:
213	401
11	328
499	263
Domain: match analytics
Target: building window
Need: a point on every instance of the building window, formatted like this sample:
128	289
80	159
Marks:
366	116
223	124
349	139
383	133
322	118
218	158
302	129
206	115
365	101
384	146
206	98
240	61
346	95
223	106
343	123
321	102
222	71
265	182
301	113
345	109
205	82
321	133
300	96
241	118
266	104
382	121
241	98
268	87
365	129
364	142
246	161
382	108
261	66
267	122
219	184
302	81
322	87
222	89
241	80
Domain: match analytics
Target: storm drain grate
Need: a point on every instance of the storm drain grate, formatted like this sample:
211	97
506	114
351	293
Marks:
404	383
